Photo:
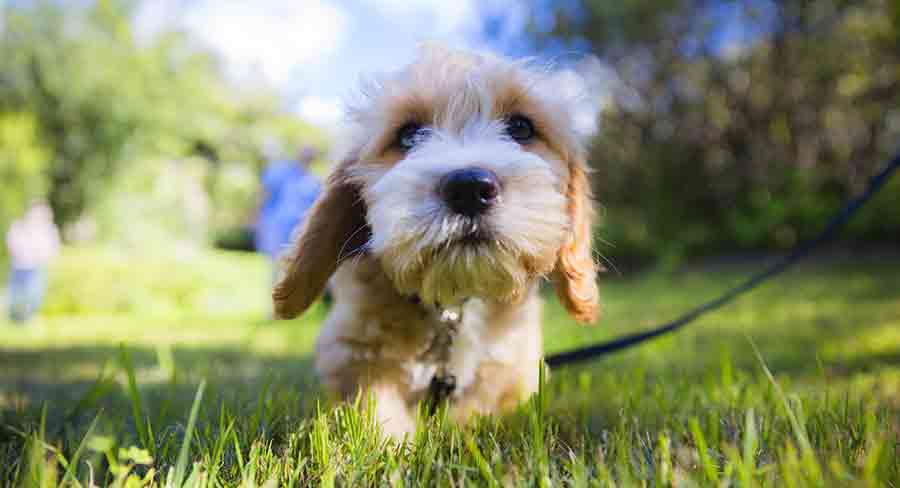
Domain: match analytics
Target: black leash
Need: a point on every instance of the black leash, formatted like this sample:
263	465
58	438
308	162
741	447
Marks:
801	251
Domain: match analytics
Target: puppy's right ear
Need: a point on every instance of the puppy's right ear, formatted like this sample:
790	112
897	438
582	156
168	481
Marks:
335	228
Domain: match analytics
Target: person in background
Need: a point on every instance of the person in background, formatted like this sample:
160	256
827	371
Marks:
33	241
288	192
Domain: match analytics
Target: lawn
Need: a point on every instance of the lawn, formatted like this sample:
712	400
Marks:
152	370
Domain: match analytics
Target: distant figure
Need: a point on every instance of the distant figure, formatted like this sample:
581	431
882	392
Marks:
288	192
33	241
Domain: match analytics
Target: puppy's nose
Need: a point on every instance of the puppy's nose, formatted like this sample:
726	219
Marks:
469	191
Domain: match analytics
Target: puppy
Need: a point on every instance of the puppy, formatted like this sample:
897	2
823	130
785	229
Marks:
465	187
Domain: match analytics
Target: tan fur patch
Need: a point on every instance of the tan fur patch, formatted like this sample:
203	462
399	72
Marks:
374	338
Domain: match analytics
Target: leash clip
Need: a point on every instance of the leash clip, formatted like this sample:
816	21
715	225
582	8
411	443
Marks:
443	383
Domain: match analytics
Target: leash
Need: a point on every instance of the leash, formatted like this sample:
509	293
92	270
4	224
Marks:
800	252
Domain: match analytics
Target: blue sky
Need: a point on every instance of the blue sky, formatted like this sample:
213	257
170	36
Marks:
314	51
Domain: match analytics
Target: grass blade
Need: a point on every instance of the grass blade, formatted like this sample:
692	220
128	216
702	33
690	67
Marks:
134	395
73	463
748	453
710	470
181	465
799	429
807	452
97	390
480	461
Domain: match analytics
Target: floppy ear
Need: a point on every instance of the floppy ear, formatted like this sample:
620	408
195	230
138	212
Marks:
576	272
335	228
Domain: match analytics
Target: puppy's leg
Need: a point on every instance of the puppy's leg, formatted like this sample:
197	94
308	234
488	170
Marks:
391	405
497	388
342	370
512	373
391	409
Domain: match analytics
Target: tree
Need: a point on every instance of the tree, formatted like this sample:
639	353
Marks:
23	161
740	123
105	106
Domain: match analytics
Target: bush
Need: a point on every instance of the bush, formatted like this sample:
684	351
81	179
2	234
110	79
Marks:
236	239
671	227
739	125
102	281
23	165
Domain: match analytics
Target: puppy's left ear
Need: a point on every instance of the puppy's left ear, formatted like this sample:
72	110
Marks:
576	272
335	229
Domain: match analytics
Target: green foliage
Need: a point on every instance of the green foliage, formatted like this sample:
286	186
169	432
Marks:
795	384
130	282
740	125
116	120
156	204
23	166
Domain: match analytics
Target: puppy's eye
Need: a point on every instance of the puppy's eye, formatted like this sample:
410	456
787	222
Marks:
520	128
411	134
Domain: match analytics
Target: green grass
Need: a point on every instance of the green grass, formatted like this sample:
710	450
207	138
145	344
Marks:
162	371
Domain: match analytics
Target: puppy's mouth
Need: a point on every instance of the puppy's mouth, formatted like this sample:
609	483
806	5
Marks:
470	260
477	238
474	233
473	240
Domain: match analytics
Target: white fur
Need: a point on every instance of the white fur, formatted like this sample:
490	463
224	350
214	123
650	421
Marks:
414	232
375	339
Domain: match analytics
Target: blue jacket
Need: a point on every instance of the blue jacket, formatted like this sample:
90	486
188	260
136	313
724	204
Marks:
290	192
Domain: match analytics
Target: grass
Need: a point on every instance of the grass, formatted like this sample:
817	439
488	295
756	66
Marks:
162	371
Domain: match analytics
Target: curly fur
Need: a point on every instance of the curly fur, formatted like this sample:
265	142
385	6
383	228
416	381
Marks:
382	233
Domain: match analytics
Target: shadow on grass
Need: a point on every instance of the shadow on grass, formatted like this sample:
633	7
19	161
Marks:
829	351
81	380
76	384
65	377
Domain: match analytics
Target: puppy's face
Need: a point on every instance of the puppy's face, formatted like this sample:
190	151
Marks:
469	182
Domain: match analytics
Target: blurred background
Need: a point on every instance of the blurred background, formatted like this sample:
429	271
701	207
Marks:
725	128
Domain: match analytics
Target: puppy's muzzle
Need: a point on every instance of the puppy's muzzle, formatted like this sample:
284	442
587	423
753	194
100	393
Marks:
469	191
